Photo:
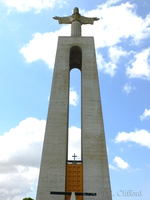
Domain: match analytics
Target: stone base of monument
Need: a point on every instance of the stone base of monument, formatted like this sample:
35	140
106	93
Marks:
75	52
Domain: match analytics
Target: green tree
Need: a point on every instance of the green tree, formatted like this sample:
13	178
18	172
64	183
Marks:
28	198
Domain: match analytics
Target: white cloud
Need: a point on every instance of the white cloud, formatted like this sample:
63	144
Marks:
16	185
26	5
73	97
74	145
140	67
114	54
20	152
145	115
112	167
117	22
141	137
108	68
127	88
121	163
43	46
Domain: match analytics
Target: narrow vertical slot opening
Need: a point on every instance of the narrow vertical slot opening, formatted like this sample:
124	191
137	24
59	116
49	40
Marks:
74	129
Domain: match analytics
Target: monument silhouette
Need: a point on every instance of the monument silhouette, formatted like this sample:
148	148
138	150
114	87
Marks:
88	179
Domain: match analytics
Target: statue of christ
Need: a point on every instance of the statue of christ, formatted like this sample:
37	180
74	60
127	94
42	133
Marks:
76	20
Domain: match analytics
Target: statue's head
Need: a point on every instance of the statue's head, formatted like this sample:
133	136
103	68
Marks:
76	10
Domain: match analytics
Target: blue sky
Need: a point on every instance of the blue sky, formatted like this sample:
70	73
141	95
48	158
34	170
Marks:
28	41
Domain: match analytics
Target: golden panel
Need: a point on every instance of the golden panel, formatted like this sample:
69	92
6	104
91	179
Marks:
74	179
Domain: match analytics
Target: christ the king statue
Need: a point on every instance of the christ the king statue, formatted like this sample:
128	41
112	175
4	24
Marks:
76	20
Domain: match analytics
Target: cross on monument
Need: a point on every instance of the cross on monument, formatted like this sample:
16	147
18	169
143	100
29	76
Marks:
74	158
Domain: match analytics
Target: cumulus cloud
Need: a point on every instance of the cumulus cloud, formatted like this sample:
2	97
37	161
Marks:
121	163
15	186
112	167
127	88
117	22
43	47
145	115
140	66
141	137
27	5
74	145
73	97
20	152
114	54
107	68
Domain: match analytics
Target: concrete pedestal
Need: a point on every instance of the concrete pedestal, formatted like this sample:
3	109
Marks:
93	149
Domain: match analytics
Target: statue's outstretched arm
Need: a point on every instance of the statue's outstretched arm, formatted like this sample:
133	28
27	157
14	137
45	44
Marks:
63	20
96	19
88	20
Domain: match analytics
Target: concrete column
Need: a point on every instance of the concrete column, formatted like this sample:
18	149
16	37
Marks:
95	164
53	164
76	29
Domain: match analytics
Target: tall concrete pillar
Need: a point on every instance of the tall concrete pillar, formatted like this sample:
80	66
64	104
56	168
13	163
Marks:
74	52
95	164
